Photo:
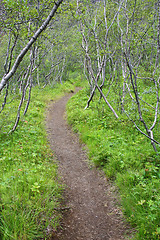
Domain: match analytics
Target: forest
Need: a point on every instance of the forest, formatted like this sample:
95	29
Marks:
110	49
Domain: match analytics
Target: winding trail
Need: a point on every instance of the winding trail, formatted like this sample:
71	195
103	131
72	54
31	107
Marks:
93	213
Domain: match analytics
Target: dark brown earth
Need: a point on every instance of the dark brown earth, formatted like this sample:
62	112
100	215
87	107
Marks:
93	212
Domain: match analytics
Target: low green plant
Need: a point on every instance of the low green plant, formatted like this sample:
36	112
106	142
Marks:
126	157
30	190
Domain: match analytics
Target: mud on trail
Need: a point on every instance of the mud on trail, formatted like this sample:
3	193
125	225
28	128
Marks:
92	212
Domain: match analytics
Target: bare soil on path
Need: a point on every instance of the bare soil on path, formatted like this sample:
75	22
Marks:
92	212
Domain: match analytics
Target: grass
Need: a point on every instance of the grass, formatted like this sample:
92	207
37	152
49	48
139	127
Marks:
126	157
30	189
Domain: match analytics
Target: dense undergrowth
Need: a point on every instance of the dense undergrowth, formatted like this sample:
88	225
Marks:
29	188
126	156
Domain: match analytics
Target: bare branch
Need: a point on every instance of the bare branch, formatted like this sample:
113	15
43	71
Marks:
153	140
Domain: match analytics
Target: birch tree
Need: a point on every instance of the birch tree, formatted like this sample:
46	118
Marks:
123	63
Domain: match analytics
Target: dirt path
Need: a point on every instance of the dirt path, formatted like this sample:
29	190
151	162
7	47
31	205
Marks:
92	211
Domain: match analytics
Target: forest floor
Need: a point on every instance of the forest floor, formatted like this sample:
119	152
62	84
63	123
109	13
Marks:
91	210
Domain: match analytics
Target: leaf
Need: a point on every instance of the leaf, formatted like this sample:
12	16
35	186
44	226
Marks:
141	202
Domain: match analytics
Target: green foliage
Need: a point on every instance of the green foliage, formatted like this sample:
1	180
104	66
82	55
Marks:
3	45
30	190
126	156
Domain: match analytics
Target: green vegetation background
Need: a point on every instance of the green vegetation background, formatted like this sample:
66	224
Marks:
30	187
126	157
30	190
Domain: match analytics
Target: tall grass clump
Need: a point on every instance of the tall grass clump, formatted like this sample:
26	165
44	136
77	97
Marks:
126	157
30	191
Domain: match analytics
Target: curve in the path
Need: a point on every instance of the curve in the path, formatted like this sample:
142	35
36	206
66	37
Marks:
93	214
